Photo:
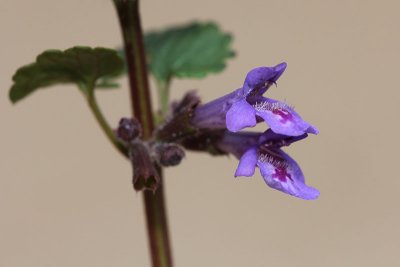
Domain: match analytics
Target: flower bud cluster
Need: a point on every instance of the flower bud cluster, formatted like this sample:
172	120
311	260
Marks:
146	155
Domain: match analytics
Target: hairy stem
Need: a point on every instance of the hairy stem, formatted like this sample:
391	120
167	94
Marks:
128	13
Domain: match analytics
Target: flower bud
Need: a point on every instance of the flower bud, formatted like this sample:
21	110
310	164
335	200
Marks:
169	154
129	129
178	125
145	174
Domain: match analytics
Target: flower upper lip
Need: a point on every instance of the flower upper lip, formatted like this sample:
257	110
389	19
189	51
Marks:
262	78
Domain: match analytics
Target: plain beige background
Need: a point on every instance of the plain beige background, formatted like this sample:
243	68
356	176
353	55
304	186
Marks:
65	194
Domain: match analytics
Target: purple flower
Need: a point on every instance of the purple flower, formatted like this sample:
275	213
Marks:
246	106
263	150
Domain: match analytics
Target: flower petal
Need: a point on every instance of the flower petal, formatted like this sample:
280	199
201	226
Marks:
281	118
270	137
286	176
240	115
312	130
237	143
279	69
258	77
247	163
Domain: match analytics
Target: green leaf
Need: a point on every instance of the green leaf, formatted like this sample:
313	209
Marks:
80	65
190	51
110	82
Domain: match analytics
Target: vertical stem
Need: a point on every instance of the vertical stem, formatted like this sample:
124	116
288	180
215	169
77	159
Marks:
157	228
128	13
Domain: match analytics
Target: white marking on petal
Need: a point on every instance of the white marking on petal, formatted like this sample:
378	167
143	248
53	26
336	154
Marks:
271	106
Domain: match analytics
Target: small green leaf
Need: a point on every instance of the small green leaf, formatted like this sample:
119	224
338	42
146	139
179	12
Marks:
80	65
190	51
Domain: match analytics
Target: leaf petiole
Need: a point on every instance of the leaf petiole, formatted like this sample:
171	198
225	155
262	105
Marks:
94	107
163	96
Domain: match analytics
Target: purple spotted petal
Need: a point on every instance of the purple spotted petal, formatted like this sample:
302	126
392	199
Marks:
281	118
247	163
285	176
240	115
258	77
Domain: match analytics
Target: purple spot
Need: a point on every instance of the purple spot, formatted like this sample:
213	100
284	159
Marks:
281	174
284	114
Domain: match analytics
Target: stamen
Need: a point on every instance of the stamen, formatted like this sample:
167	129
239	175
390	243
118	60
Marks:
260	90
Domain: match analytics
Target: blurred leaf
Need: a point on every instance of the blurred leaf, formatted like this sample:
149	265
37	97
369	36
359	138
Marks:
190	51
80	65
110	82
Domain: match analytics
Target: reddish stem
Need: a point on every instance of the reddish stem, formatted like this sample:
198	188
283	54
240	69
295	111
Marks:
156	218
